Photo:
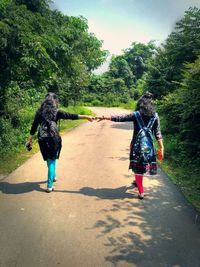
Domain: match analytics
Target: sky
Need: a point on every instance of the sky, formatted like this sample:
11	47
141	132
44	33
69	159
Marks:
119	23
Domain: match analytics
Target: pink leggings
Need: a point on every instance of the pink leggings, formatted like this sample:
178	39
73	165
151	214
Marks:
139	180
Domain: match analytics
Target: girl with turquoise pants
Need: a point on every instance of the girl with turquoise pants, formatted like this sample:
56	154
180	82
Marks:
49	139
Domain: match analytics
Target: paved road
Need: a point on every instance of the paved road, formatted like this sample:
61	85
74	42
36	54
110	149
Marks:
94	217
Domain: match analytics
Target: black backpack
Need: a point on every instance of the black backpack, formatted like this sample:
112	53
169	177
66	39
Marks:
143	148
48	129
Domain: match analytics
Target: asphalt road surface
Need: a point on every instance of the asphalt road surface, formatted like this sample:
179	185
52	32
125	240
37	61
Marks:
94	218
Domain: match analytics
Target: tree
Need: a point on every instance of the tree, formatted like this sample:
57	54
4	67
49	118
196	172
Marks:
34	5
181	47
41	48
189	97
138	56
119	68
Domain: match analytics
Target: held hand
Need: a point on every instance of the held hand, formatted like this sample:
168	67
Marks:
30	140
100	118
29	143
85	117
91	119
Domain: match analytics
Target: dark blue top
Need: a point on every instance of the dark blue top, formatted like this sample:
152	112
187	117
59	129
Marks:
131	117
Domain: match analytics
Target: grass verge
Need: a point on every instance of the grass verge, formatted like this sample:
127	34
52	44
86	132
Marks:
186	179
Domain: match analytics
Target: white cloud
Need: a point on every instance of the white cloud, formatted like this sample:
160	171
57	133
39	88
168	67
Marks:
118	38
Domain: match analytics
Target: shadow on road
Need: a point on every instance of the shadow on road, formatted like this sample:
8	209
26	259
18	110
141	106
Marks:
147	233
20	188
103	193
123	126
119	158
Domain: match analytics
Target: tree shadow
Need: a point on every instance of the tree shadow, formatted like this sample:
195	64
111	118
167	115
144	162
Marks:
119	158
123	126
21	188
143	233
103	193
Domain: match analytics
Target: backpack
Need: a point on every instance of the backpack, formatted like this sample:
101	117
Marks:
143	148
48	129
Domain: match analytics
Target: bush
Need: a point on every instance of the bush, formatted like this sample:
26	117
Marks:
96	102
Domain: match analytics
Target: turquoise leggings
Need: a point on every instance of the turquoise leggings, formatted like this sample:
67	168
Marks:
51	163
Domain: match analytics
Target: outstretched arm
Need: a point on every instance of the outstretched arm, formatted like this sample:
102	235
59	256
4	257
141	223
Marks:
70	116
85	117
117	118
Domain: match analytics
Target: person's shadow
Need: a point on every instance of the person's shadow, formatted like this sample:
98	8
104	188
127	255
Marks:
20	188
104	193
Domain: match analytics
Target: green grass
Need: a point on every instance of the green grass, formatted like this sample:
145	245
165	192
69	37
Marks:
12	159
131	105
186	179
183	171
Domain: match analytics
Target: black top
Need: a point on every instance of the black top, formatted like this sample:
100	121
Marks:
59	115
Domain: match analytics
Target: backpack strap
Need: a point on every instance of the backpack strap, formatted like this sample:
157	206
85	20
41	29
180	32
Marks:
139	119
151	122
141	122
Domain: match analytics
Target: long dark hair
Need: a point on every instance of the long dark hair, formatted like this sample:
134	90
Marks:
145	105
48	108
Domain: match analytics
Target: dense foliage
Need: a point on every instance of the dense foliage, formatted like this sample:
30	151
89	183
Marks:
181	47
174	78
124	81
40	50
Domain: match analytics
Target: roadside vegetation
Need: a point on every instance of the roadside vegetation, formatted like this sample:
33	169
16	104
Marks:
43	50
